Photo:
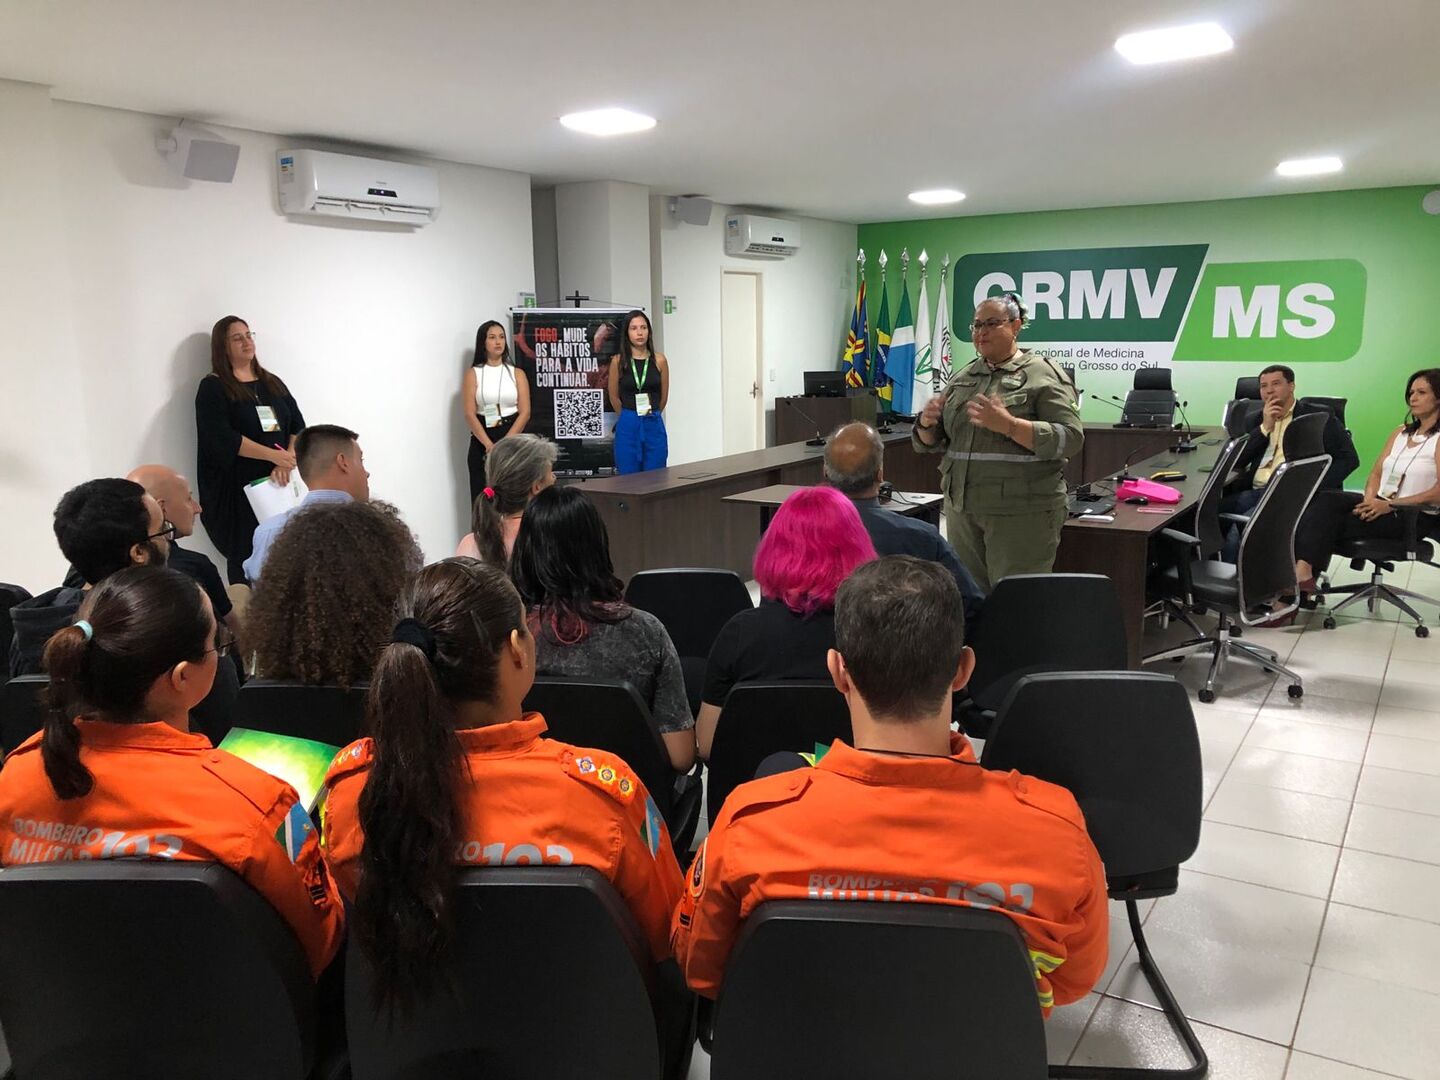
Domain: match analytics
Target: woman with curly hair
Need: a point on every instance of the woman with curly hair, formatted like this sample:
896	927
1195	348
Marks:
325	605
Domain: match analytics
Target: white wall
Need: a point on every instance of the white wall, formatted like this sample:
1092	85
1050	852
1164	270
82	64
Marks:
547	251
603	240
805	308
115	270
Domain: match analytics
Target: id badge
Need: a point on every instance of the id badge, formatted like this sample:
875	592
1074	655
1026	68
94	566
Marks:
1391	488
267	418
642	404
491	413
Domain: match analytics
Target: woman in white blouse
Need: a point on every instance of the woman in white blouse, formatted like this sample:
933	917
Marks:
495	400
1407	473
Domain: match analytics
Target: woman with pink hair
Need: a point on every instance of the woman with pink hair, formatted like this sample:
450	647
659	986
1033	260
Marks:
815	539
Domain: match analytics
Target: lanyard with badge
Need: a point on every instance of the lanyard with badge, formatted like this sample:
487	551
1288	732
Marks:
1395	478
265	414
642	401
491	413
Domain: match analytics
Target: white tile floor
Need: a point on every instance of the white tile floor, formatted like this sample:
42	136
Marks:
1305	936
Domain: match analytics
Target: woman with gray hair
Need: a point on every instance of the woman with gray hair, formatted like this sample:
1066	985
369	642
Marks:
518	469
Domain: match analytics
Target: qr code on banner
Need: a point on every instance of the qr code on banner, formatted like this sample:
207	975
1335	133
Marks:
579	414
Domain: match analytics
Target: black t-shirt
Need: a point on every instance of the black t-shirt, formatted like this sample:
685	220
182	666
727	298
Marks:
769	642
195	565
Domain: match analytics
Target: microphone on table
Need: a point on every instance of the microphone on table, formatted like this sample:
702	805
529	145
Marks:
818	440
1111	399
1187	436
1124	473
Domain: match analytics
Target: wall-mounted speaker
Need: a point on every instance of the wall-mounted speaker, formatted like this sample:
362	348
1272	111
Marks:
692	209
198	154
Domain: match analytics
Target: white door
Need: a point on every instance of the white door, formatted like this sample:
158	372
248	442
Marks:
741	397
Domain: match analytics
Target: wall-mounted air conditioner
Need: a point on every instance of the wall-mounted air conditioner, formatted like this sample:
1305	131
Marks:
366	189
750	234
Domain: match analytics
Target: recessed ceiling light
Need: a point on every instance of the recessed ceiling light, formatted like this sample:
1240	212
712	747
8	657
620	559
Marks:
1175	43
936	196
608	122
1310	166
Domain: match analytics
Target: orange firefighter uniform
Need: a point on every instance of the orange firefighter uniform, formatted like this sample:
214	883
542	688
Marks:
872	826
162	793
530	802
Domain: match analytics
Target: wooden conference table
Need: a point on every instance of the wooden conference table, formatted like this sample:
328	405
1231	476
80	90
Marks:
925	505
678	516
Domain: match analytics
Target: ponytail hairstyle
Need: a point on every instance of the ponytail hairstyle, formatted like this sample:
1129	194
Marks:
457	617
133	627
512	469
1013	304
1432	379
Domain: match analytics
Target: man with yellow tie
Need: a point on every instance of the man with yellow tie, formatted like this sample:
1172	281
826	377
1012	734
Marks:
1266	449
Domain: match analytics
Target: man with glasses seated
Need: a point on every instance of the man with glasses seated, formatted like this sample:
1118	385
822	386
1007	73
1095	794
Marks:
103	526
1007	424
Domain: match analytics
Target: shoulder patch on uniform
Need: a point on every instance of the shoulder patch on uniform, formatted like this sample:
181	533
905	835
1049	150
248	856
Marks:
358	755
653	827
294	830
610	774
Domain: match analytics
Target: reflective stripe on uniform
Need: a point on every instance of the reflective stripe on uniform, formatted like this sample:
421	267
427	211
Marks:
967	455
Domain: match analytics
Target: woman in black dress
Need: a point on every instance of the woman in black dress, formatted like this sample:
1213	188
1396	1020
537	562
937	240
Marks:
245	424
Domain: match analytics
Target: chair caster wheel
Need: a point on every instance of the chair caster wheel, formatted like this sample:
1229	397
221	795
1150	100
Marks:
1207	696
1329	623
1295	691
1422	631
1237	630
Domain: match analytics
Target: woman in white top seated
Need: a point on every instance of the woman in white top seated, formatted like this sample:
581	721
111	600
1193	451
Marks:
521	467
1407	473
495	400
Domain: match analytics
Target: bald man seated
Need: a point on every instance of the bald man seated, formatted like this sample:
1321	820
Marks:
855	466
177	502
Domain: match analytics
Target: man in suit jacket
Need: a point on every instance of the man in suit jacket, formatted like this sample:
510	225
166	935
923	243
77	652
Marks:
1266	448
855	466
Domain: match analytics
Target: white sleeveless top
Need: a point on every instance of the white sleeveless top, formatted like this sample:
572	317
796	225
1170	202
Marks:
496	385
1412	465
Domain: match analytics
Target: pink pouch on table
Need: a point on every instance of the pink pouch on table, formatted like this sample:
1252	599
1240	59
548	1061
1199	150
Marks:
1156	493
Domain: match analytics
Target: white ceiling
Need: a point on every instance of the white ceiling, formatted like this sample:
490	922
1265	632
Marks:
831	108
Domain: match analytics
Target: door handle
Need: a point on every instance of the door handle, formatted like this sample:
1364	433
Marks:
755	389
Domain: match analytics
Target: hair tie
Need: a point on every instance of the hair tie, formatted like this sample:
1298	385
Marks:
414	632
85	628
489	493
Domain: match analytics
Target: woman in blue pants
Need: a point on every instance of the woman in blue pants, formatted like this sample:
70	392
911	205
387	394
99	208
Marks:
639	388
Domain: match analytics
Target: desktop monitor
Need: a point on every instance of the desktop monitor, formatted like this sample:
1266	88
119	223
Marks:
824	384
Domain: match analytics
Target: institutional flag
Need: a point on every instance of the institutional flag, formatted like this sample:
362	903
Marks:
856	362
900	363
923	385
878	377
940	350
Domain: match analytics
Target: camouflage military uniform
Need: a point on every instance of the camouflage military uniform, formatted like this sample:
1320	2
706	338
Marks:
1004	504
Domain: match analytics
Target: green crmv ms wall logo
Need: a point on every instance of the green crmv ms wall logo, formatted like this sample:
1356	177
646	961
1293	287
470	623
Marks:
1277	312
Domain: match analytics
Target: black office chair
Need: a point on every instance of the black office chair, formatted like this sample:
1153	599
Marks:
10	595
163	970
1382	555
1243	406
1335	404
22	709
1305	436
1243	591
1152	378
762	718
1124	744
327	714
693	603
946	991
548	976
1202	532
609	714
1041	622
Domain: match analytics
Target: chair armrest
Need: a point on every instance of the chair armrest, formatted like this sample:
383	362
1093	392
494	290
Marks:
1178	537
1235	519
1188	547
1410	523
